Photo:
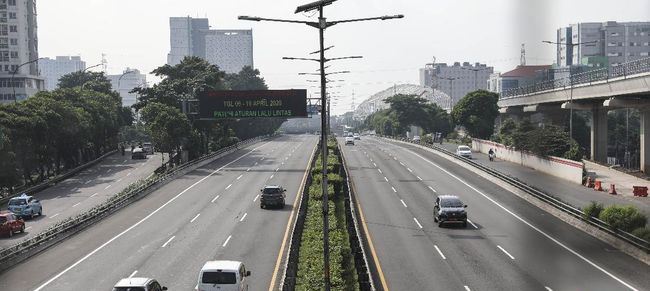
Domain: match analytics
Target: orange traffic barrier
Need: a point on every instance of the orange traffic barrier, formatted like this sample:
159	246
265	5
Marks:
640	191
612	189
589	183
598	186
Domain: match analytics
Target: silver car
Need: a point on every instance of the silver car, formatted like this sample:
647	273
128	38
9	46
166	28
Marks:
464	151
25	206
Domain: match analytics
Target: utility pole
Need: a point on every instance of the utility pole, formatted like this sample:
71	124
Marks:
321	25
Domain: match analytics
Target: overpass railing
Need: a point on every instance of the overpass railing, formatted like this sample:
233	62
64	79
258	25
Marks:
623	70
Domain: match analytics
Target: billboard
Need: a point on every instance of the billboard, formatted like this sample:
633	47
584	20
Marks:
253	104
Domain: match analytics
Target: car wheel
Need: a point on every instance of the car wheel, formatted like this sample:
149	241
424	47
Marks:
11	232
31	215
440	224
22	228
262	206
465	224
435	219
40	212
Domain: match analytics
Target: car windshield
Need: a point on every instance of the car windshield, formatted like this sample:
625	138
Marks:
15	202
463	148
271	190
219	278
451	203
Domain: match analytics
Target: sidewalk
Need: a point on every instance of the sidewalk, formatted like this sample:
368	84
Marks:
574	194
623	181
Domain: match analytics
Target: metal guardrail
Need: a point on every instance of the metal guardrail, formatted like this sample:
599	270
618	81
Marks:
113	203
624	70
47	183
548	199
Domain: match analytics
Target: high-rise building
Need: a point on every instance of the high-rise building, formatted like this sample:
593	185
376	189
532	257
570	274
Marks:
619	42
457	80
127	81
53	69
18	50
231	50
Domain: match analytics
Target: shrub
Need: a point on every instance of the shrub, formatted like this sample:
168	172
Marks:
625	218
592	210
642	233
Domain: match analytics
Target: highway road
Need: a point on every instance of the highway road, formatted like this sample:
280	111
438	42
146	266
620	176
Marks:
85	190
508	245
210	213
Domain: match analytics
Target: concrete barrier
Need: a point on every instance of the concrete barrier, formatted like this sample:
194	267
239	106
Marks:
558	167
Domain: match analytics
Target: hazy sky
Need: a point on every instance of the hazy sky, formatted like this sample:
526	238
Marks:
135	33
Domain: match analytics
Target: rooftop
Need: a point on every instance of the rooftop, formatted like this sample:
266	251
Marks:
525	71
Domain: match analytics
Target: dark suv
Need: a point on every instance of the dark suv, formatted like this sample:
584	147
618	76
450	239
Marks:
272	195
449	209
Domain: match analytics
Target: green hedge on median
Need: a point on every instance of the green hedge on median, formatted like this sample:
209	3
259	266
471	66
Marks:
310	262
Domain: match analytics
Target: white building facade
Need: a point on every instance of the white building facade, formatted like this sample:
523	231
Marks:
127	81
53	69
230	50
456	80
18	51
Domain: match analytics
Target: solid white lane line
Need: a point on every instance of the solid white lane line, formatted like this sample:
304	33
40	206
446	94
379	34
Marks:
506	252
77	204
195	217
133	274
109	186
409	169
42	286
55	215
440	252
168	241
215	198
271	177
470	222
394	189
91	196
528	223
255	199
129	174
419	178
118	180
243	217
547	288
228	186
416	221
405	205
239	177
378	169
227	240
467	288
386	179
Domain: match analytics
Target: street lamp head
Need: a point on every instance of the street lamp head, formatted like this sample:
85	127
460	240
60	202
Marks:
250	18
313	6
387	17
547	41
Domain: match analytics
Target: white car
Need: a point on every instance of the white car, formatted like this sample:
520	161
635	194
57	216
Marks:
464	151
138	284
223	276
349	140
356	136
416	138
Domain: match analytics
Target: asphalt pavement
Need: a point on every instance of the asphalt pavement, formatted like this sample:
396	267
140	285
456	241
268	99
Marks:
210	213
509	244
84	190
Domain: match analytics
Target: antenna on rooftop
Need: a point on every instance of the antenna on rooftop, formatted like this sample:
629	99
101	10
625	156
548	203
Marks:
523	54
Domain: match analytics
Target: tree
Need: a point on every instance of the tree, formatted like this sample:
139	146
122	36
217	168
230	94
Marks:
167	126
477	112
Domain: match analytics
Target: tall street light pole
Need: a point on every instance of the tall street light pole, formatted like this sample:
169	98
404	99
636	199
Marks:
86	69
570	79
13	74
321	25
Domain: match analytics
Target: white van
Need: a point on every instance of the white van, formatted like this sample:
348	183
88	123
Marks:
223	276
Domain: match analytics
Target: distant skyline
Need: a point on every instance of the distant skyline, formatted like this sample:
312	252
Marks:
136	34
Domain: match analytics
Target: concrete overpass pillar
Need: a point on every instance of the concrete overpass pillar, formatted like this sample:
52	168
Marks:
599	134
644	135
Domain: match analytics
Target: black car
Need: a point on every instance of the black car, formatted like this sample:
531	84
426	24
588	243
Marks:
272	195
449	209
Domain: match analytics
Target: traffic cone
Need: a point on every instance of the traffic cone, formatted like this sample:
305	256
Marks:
612	189
598	186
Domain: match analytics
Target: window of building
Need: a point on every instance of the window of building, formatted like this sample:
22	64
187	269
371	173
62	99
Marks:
4	42
12	2
614	34
4	30
13	41
644	54
14	55
4	56
13	28
12	15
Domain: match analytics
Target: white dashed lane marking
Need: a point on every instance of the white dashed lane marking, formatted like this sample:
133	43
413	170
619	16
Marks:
405	205
215	199
195	217
505	252
440	252
243	217
227	240
168	241
416	221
